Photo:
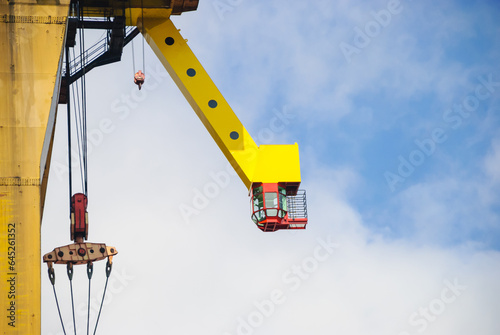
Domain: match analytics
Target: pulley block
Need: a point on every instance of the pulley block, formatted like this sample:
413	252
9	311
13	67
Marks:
80	253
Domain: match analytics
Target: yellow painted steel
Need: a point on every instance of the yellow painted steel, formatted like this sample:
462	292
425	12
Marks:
267	163
31	40
277	163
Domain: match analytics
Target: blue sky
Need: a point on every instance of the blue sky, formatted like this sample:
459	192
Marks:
416	254
365	109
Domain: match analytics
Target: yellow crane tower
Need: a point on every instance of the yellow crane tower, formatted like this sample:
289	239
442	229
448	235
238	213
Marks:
34	35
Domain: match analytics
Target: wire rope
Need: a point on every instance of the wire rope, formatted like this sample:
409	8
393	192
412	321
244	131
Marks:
80	113
69	126
81	118
88	310
90	269
72	304
100	308
70	276
52	277
143	30
133	49
84	104
78	121
58	309
108	271
133	56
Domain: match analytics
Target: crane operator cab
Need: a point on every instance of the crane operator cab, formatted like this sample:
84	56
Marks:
273	209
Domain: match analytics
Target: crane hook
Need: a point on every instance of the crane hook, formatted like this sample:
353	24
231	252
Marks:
139	78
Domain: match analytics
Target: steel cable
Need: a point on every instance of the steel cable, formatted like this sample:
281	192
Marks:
133	50
84	105
108	271
70	276
143	31
69	126
90	270
59	310
52	277
78	121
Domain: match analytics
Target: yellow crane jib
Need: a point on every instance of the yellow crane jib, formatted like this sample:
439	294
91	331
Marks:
261	168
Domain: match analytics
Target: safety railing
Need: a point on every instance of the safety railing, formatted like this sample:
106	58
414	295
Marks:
297	205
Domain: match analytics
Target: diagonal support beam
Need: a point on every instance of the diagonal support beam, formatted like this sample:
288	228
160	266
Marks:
265	163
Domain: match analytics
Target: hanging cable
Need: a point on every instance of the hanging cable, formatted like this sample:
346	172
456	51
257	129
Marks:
133	49
78	131
84	102
109	266
143	31
52	277
78	122
69	125
79	112
69	269
90	270
133	56
139	75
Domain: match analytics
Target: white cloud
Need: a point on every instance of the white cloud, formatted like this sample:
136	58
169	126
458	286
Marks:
203	277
